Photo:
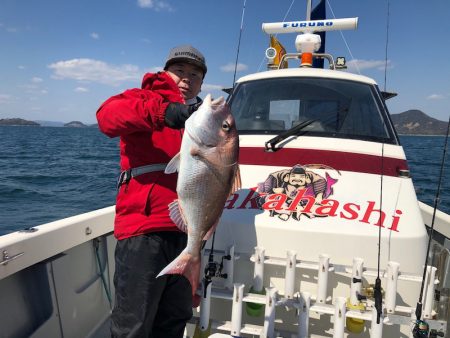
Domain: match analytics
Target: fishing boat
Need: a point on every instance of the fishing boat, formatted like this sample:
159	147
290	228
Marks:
325	238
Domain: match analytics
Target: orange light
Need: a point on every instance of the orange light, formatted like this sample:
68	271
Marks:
307	60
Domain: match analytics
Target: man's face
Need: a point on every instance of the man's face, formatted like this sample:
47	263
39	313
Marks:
189	78
297	179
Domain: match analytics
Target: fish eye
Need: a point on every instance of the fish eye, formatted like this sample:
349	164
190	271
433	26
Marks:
225	126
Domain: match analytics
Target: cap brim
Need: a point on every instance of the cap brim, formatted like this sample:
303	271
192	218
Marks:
200	65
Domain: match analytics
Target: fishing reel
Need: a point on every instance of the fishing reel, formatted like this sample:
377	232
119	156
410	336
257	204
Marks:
214	269
421	329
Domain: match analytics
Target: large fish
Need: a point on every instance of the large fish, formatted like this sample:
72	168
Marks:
208	174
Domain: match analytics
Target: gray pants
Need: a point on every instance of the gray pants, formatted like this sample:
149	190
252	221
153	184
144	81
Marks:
146	306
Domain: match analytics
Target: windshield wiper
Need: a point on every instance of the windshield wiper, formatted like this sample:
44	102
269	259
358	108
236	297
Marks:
270	145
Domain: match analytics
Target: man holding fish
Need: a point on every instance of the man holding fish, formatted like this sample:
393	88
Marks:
150	123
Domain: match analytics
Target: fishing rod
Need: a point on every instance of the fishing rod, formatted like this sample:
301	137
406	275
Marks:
377	293
421	327
239	43
386	47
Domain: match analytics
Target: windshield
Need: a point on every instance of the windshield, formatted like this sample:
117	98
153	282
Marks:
338	108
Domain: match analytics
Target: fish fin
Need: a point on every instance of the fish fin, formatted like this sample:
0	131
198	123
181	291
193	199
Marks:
177	216
187	265
210	231
218	102
237	183
173	165
207	100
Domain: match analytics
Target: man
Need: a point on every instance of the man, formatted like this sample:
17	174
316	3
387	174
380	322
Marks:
148	122
289	182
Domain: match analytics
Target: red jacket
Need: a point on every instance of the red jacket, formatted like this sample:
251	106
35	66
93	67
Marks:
137	116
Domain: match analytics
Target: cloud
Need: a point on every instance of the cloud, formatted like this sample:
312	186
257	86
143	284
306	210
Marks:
21	67
33	88
435	97
89	70
154	69
95	36
229	67
156	5
210	87
5	98
8	29
368	64
36	80
81	90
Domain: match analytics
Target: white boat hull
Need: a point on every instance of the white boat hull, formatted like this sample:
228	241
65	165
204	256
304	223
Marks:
54	288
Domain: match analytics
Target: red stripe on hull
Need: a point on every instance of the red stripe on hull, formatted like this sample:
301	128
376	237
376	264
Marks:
343	161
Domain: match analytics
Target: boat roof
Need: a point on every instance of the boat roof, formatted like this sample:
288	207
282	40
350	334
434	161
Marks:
307	72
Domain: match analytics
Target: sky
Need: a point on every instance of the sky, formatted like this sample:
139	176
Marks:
60	59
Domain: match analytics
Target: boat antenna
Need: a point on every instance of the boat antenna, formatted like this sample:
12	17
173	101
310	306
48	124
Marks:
345	41
419	325
239	43
386	49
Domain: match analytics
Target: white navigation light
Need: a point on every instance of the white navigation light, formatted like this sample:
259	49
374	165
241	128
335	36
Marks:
307	43
340	61
271	53
309	26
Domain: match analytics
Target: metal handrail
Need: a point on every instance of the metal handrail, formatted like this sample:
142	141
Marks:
290	56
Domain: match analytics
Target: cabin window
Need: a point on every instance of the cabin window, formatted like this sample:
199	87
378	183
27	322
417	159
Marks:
334	108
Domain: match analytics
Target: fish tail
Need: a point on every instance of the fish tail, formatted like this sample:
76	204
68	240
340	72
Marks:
187	265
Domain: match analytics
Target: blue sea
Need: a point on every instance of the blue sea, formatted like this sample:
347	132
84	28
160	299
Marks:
48	173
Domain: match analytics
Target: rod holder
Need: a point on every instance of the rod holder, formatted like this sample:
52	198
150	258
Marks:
205	307
428	297
269	316
356	283
236	311
391	286
289	281
322	282
229	268
303	315
258	276
339	317
376	330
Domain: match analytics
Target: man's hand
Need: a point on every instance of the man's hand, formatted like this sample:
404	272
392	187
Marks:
176	115
195	106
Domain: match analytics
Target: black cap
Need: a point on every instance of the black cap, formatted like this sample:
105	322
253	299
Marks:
298	170
187	54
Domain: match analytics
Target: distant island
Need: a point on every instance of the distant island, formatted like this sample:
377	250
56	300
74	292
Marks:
410	122
18	122
75	124
416	122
